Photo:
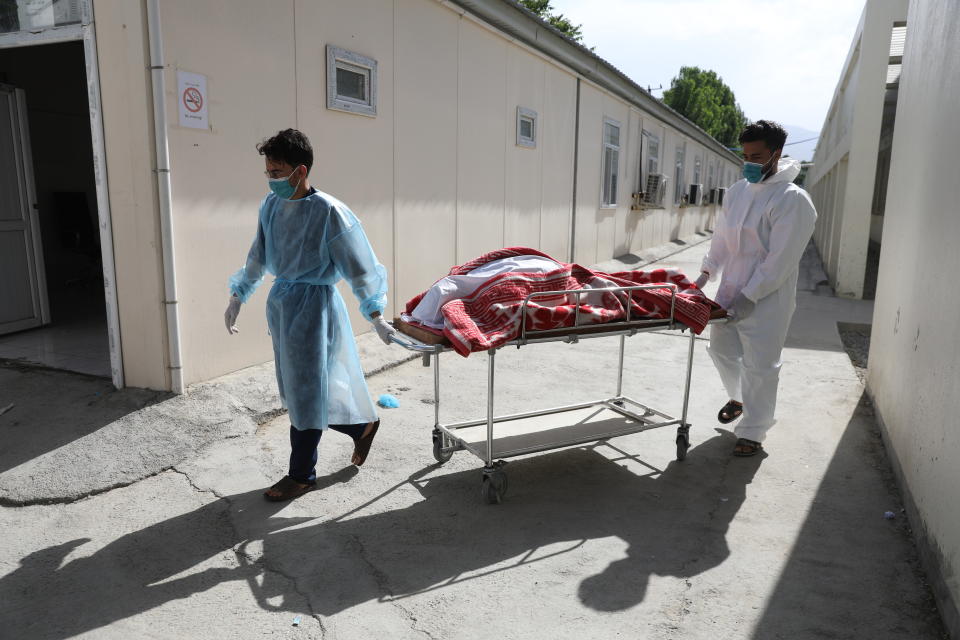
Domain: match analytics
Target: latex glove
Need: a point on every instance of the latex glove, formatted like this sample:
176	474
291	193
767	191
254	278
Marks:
702	280
230	315
383	329
741	307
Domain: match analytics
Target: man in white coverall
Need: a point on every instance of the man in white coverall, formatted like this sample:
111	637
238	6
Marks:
761	232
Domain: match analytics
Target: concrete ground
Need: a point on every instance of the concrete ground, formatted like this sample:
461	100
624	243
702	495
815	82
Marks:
130	514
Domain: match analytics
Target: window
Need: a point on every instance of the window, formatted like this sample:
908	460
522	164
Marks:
36	15
611	162
653	154
526	128
679	174
696	170
351	82
711	183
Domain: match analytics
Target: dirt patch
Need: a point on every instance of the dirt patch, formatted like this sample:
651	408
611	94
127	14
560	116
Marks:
856	342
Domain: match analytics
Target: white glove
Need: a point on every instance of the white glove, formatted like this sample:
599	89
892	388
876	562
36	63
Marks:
741	307
230	315
702	280
383	329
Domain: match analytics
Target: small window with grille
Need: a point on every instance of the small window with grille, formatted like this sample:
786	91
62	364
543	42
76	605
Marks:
526	128
351	82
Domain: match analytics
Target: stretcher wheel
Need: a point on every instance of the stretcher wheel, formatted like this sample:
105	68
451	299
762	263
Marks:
683	443
494	486
438	444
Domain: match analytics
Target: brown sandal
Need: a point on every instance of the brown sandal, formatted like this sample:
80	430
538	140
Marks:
288	489
745	448
730	412
362	445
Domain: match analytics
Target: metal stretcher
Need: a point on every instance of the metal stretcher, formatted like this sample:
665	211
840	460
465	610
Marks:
526	433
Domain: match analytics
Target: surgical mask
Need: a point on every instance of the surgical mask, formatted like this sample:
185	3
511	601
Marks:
753	172
282	187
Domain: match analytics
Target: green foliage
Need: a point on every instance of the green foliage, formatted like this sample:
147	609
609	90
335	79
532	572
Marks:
703	97
543	9
801	179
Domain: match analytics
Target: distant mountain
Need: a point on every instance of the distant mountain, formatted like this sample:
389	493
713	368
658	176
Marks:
804	150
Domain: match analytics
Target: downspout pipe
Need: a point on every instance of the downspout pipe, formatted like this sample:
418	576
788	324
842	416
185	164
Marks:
162	171
576	159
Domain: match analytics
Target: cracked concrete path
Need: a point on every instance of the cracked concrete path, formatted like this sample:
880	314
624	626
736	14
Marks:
611	540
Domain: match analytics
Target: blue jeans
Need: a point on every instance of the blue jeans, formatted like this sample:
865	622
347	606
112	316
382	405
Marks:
303	449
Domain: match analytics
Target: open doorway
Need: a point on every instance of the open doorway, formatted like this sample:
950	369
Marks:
55	310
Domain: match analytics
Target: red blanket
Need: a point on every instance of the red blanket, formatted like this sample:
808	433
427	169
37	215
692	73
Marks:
490	316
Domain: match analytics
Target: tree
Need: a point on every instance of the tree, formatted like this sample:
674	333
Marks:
704	98
801	179
543	9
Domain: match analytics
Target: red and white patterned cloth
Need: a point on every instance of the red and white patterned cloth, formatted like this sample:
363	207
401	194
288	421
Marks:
490	315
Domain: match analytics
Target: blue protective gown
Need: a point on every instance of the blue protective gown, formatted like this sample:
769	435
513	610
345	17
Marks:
309	245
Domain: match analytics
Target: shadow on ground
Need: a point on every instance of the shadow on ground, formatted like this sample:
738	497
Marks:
673	521
53	408
847	554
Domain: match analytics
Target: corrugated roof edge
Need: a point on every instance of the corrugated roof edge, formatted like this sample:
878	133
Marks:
518	21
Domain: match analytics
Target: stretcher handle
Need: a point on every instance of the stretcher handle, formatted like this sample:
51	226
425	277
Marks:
409	344
674	289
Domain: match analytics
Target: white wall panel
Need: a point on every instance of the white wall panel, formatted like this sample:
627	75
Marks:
481	141
426	145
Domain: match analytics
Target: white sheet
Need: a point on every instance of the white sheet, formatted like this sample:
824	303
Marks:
453	287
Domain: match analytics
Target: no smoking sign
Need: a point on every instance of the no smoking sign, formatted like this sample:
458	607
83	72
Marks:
192	89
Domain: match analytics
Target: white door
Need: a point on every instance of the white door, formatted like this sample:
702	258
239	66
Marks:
23	290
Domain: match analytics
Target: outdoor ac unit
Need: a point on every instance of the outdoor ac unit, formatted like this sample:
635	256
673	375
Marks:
720	193
66	12
696	195
656	187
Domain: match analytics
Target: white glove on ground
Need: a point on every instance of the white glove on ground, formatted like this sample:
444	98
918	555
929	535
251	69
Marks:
741	308
230	315
702	280
383	329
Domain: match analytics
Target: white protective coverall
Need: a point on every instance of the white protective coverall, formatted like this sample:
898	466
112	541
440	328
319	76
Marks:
761	232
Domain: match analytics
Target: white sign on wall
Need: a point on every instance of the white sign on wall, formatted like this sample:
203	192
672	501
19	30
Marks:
192	99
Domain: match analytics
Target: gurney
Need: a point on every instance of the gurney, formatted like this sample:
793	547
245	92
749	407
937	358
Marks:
494	438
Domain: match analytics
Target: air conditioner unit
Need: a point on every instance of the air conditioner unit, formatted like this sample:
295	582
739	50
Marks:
662	191
720	193
696	195
66	12
654	192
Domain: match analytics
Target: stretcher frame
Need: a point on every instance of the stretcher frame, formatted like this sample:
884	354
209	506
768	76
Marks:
494	482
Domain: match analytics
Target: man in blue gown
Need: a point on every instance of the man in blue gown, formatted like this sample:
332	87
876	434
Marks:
310	240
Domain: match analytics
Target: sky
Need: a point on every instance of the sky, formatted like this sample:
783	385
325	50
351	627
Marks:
782	58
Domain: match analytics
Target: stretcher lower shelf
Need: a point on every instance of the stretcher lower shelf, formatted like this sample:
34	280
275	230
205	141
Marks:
573	427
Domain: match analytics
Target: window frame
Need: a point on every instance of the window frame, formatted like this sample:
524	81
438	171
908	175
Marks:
527	114
614	176
646	171
340	58
679	171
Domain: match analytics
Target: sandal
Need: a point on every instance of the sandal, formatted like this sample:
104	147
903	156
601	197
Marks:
745	448
362	445
288	489
730	412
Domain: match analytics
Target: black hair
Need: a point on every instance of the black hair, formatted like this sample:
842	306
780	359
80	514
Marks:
771	133
289	146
